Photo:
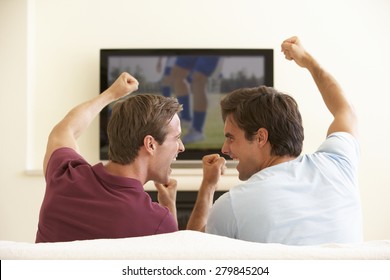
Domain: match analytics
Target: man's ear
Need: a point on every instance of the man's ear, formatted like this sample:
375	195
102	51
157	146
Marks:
150	144
262	136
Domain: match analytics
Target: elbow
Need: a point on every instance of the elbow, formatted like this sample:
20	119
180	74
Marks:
345	121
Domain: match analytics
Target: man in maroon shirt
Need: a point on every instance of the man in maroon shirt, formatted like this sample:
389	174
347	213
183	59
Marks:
108	201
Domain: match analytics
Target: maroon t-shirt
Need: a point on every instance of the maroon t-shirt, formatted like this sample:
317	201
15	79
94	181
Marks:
85	202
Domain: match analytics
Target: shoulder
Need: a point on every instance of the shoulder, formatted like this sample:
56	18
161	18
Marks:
342	145
338	156
222	207
65	155
224	200
222	219
340	138
62	159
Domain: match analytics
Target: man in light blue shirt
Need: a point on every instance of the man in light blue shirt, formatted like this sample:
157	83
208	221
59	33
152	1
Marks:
287	197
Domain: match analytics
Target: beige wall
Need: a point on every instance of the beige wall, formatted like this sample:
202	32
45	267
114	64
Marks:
49	58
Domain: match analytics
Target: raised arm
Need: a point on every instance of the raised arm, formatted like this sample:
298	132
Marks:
67	131
213	167
344	116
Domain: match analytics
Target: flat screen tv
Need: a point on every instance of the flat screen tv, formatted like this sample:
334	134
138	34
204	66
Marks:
199	78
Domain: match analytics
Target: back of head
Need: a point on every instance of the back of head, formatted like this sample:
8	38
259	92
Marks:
265	107
135	117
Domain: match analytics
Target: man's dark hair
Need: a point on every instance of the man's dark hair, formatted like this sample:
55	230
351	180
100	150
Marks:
265	107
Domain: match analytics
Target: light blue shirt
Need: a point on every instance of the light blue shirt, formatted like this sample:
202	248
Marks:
313	199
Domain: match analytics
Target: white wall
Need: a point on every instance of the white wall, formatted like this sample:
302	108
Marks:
49	58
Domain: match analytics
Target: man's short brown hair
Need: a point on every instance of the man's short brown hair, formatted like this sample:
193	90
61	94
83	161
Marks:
135	117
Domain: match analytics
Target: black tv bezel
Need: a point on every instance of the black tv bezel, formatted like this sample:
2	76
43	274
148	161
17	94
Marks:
191	157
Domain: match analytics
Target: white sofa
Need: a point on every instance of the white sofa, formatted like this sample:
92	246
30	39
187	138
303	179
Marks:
187	245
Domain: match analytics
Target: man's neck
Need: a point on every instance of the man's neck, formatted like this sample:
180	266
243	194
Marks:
128	170
275	160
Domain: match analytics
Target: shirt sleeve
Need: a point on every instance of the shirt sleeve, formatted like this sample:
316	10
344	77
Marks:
344	151
60	160
221	220
342	144
168	224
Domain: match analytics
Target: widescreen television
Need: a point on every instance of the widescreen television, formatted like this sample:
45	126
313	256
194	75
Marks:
206	75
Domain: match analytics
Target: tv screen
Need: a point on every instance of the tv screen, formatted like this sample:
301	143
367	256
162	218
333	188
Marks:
199	78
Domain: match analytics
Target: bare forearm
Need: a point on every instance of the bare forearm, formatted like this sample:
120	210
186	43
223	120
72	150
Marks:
170	204
200	213
80	117
344	116
334	99
68	130
329	88
213	167
172	209
167	196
